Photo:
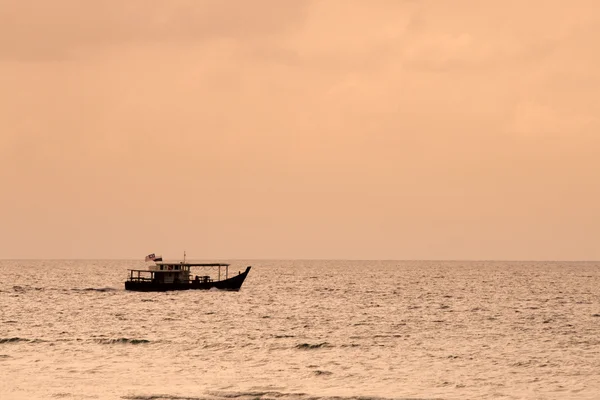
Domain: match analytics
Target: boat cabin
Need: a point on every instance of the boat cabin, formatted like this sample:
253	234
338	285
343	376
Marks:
177	273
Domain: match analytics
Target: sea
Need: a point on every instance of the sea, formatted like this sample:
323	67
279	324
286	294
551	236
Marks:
304	330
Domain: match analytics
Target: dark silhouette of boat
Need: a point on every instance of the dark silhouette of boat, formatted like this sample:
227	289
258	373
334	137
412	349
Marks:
165	276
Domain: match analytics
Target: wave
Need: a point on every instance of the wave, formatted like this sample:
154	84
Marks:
387	336
121	341
23	289
99	340
320	372
260	395
167	397
26	288
104	289
162	397
18	339
13	340
308	346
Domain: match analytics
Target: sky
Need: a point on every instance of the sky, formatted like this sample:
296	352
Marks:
333	129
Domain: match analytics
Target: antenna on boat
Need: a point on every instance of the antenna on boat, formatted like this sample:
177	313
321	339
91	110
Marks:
184	256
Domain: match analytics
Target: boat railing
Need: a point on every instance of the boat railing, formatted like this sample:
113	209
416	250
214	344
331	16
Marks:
197	279
201	279
139	279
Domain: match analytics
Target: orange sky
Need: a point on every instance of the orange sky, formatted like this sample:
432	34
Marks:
300	129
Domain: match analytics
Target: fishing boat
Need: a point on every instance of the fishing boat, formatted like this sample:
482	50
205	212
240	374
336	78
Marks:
165	276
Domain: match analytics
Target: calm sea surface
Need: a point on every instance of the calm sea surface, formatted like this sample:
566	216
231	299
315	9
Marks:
304	330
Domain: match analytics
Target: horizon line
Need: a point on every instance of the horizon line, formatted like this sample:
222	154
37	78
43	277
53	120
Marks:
312	259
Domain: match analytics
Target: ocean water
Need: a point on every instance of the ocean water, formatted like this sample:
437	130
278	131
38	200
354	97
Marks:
304	330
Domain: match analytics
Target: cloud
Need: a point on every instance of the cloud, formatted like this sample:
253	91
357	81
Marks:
51	30
481	36
542	120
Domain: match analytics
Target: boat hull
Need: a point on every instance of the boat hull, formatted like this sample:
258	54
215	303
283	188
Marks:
234	284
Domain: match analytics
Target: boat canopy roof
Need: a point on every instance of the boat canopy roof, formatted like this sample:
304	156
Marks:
193	264
168	267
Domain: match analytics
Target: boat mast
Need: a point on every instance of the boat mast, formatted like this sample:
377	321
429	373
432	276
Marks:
184	256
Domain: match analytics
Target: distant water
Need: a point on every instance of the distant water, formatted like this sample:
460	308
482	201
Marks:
304	330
